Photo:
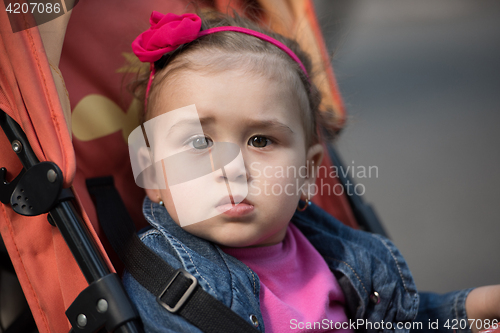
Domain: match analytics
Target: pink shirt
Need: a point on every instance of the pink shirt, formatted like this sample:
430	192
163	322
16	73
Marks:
298	292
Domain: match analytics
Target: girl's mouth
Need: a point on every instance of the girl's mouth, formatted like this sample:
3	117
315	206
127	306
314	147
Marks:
227	207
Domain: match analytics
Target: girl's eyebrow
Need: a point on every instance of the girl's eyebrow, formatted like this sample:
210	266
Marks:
269	124
191	122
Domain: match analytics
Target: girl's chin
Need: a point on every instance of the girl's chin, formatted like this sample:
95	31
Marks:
241	241
235	241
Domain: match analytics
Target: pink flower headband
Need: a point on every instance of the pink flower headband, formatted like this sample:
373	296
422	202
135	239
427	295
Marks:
168	32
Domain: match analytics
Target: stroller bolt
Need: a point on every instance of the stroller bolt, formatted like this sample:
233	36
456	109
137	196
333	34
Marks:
17	146
102	305
81	320
51	175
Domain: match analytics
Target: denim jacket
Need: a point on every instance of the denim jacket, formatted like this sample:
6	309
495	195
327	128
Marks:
378	287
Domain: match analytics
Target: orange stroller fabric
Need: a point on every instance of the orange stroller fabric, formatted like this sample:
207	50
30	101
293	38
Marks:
95	56
39	254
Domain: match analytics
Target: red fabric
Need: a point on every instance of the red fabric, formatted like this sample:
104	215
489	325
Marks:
89	63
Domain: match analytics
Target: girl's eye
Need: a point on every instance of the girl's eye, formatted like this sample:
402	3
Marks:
201	142
259	141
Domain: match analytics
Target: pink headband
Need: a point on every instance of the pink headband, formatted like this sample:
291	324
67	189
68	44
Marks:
168	32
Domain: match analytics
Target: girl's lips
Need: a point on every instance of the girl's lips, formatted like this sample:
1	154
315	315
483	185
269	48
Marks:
240	209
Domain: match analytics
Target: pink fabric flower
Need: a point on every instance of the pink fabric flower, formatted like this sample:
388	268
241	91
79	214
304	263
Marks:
167	32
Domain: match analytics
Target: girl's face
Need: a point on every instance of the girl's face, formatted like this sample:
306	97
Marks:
262	117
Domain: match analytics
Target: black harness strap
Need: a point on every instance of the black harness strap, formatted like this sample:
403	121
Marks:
176	290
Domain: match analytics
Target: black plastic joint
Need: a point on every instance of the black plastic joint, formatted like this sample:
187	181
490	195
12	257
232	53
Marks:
104	303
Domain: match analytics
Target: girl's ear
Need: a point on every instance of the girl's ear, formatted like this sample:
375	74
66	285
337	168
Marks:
314	158
147	179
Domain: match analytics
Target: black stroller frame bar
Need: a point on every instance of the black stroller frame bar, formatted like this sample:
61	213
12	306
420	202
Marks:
104	303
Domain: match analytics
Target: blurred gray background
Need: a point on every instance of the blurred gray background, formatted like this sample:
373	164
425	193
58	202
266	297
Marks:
421	83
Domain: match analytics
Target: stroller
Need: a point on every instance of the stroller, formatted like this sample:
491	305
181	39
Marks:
49	222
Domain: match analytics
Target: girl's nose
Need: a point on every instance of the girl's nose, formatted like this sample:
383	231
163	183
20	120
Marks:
228	158
235	171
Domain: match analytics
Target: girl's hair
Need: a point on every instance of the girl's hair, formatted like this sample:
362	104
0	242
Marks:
233	50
